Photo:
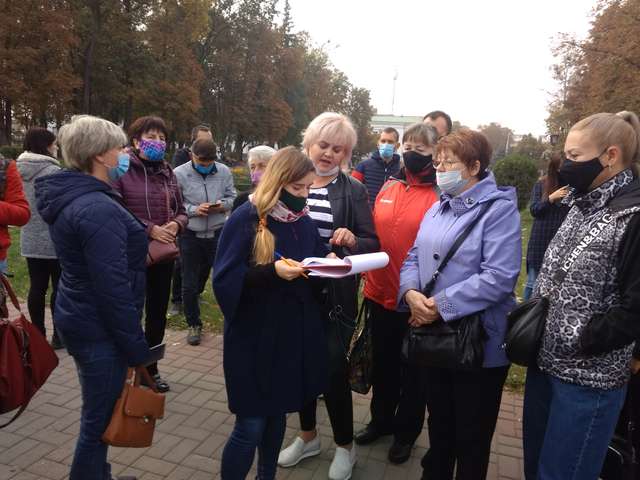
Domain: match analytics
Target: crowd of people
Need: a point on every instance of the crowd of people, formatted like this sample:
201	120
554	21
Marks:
114	225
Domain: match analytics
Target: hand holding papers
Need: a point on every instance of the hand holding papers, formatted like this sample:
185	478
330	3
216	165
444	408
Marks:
343	267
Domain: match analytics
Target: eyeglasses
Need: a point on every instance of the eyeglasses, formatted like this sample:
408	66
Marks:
445	163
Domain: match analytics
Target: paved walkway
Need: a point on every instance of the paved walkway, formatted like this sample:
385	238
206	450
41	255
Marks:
189	440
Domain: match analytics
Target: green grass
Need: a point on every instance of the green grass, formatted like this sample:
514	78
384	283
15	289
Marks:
517	374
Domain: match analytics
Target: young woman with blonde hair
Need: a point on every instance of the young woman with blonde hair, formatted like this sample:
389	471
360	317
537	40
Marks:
339	207
590	277
274	342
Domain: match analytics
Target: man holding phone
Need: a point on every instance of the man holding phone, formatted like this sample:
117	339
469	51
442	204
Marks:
208	193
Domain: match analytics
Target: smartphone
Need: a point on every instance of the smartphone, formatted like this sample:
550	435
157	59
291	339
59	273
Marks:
214	205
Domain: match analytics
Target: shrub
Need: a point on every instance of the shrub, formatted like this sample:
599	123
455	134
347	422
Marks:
517	171
10	151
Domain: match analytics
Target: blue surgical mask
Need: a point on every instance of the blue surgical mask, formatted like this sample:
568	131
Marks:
451	182
117	172
386	150
202	169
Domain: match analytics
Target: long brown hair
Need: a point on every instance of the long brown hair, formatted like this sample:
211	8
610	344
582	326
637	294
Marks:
288	165
551	181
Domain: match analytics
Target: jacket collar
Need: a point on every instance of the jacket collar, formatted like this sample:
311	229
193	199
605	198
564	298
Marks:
377	158
599	197
482	191
162	168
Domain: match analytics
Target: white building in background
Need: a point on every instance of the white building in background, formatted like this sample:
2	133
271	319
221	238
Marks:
399	122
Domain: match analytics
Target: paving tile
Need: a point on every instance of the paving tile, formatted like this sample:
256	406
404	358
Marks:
189	441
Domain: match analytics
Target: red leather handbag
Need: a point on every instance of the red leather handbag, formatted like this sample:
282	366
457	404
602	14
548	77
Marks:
26	359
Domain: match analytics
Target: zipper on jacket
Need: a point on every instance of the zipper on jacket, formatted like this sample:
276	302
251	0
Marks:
206	197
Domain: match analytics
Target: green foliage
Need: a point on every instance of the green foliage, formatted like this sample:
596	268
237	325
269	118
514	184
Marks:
10	151
517	171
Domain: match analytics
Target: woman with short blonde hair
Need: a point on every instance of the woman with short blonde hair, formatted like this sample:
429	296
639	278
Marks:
102	249
339	207
274	343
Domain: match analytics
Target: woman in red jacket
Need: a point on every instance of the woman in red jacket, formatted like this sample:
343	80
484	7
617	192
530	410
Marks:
150	190
396	407
14	207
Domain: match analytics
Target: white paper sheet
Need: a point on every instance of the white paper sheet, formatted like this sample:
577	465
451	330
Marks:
351	265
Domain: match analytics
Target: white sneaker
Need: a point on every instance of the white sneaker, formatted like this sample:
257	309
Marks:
343	463
299	450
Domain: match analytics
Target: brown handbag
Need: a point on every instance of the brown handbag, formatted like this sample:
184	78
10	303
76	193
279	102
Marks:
161	252
134	416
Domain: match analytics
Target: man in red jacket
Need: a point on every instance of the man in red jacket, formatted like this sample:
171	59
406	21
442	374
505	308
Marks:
14	208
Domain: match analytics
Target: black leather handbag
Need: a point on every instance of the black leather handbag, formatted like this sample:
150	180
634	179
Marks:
525	328
454	344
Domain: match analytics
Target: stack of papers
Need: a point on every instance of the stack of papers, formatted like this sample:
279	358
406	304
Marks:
343	267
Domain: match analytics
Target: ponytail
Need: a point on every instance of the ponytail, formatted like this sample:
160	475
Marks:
264	244
632	119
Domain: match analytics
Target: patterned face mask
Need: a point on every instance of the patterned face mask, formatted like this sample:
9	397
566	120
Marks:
153	150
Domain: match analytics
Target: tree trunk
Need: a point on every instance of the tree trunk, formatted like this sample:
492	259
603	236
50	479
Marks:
88	56
5	122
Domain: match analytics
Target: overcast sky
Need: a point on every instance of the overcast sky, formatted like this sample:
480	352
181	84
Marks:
480	61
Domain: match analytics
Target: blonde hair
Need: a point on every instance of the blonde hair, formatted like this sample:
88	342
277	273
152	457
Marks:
621	129
288	165
85	137
333	128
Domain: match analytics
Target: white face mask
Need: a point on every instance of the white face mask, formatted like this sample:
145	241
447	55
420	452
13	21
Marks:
451	182
329	173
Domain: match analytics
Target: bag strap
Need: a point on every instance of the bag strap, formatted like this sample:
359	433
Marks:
456	245
15	417
12	294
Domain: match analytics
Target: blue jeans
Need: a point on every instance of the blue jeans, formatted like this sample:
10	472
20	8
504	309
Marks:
196	255
102	372
265	433
566	427
532	275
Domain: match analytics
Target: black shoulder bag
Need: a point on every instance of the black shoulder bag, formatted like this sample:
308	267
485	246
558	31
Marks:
525	324
454	344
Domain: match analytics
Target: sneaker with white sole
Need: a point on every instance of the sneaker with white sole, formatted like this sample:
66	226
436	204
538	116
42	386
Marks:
299	450
343	462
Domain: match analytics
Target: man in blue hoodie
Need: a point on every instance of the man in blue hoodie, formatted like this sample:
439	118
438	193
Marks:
382	164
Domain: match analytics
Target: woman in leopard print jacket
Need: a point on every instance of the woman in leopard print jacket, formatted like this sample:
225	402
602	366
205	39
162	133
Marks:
591	277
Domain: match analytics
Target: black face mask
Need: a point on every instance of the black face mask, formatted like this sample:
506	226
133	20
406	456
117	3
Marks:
294	203
580	175
416	162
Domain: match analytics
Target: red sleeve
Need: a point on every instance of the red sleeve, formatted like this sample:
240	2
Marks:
358	175
14	209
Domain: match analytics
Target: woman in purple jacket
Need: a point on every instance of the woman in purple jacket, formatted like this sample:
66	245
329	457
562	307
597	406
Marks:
463	404
150	190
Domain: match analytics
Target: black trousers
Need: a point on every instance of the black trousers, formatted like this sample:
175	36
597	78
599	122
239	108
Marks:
398	402
41	270
156	303
197	255
176	283
338	395
388	328
463	411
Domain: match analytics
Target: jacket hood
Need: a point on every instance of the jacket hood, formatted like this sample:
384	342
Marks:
628	197
31	164
54	192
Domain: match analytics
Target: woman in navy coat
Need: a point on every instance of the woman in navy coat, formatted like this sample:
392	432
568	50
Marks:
274	342
102	249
